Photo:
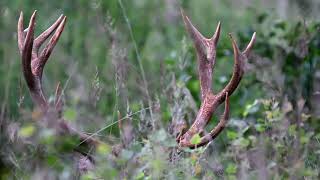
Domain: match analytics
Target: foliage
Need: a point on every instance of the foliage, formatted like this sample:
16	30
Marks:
273	132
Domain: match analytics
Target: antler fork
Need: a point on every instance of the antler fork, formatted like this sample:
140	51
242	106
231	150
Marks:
33	63
206	55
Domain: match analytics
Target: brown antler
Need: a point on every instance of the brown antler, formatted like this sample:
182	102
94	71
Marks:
206	55
33	63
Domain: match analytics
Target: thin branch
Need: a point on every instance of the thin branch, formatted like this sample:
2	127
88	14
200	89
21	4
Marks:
111	124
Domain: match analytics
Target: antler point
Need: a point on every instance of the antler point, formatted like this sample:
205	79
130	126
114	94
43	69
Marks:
182	11
33	16
216	35
246	52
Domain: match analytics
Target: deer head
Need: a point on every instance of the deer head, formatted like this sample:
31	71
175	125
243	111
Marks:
206	55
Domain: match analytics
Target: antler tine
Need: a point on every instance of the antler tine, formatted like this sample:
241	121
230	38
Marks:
58	103
206	53
45	54
212	45
239	58
20	32
47	33
216	35
196	36
247	51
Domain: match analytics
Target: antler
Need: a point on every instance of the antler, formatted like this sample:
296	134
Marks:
33	63
206	55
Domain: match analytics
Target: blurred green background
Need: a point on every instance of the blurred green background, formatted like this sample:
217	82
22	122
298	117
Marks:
135	57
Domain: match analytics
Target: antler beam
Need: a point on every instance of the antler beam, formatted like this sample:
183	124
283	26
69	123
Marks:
206	55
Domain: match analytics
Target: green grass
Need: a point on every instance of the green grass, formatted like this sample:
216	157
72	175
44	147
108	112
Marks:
135	58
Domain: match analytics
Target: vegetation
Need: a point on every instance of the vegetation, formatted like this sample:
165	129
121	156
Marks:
129	72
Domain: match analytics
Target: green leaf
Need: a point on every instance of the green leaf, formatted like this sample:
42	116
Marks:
140	175
232	135
88	176
251	108
170	61
70	114
196	139
103	148
47	136
231	168
67	143
231	177
52	160
245	142
241	142
304	139
292	130
194	85
27	131
260	127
